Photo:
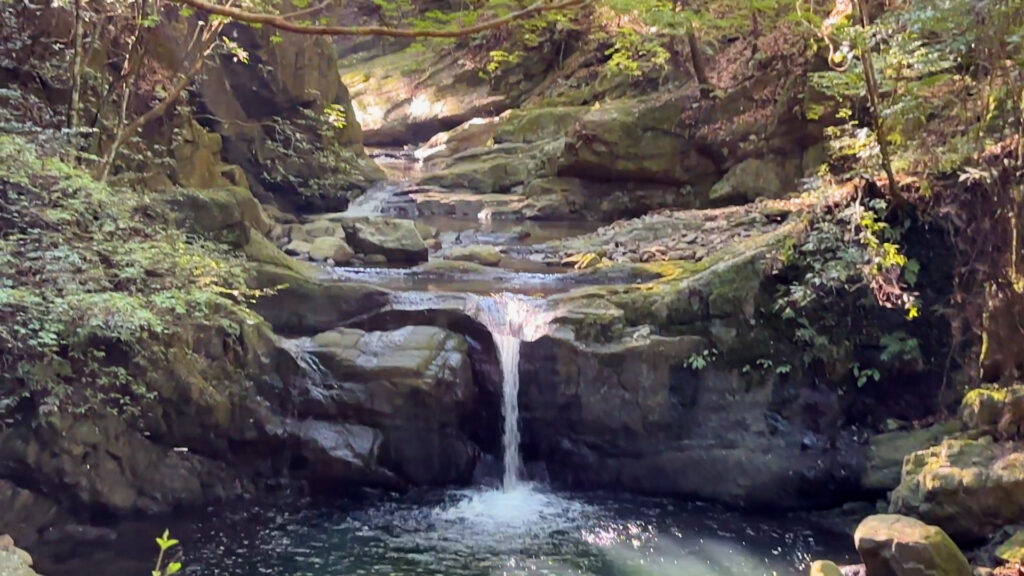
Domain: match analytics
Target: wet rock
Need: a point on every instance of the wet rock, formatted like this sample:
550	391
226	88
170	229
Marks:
414	385
970	488
396	240
484	255
124	472
893	545
330	248
629	414
346	455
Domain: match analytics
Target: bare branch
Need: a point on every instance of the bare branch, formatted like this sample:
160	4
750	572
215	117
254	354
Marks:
281	23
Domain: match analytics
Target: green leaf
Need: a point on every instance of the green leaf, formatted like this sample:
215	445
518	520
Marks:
165	542
173	568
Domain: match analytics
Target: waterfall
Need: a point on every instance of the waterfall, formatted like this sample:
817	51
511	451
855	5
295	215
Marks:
511	319
373	201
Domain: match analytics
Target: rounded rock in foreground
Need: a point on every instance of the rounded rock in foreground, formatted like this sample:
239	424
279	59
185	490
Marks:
825	568
894	545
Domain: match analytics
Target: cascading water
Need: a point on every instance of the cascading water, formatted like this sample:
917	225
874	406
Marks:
512	319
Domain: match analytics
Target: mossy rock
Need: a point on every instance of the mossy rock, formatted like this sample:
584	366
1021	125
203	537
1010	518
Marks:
224	214
260	249
888	451
893	545
483	255
970	488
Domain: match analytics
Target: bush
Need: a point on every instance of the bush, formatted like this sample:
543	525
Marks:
96	287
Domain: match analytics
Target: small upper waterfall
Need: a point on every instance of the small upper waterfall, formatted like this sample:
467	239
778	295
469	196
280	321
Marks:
512	319
372	202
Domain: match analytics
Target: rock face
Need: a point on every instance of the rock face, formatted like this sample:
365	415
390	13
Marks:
632	415
287	120
608	403
970	488
892	545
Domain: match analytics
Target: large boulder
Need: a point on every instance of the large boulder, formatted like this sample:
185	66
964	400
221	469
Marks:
413	386
634	414
971	488
104	465
496	169
893	545
228	214
396	240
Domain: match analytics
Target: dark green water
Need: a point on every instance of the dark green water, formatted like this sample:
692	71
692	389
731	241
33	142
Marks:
468	533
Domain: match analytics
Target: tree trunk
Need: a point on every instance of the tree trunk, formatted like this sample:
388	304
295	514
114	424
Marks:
76	68
700	64
880	129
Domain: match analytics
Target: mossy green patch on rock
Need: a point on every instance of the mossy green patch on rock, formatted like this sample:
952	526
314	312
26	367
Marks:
970	488
1013	549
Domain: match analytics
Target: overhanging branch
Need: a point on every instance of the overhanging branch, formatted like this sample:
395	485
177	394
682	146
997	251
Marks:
281	23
